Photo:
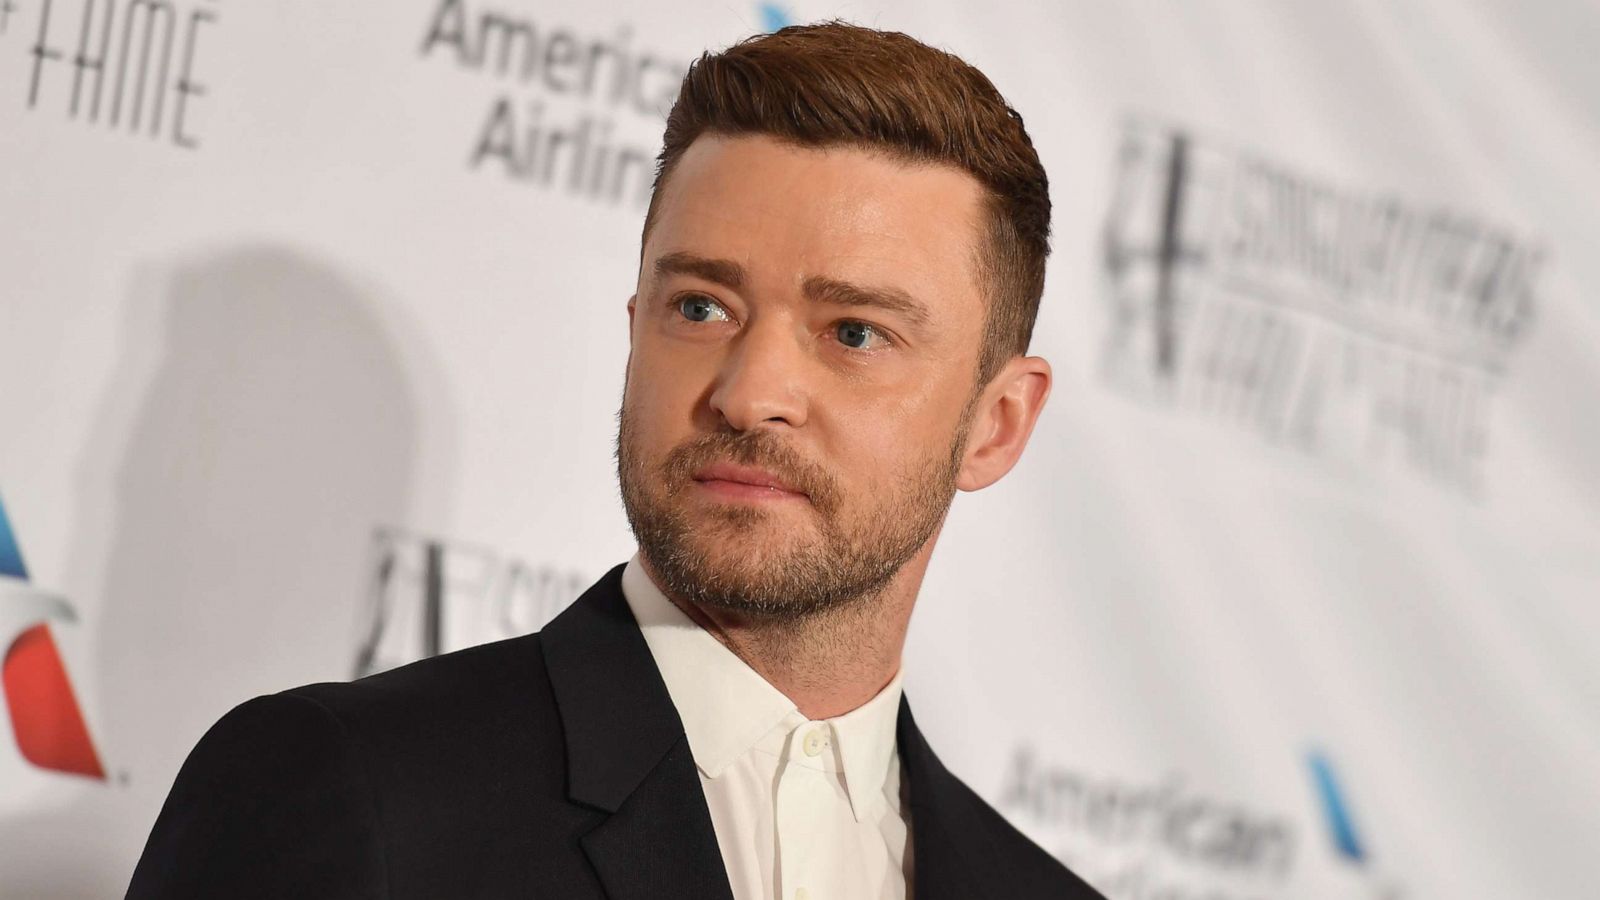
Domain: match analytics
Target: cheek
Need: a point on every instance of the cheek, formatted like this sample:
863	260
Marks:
886	439
663	388
917	410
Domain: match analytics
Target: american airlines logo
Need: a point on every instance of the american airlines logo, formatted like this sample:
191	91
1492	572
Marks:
1168	837
1347	844
45	719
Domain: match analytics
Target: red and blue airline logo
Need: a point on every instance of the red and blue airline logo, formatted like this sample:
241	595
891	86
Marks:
45	717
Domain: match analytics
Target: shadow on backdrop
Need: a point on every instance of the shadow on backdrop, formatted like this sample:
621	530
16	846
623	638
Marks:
260	422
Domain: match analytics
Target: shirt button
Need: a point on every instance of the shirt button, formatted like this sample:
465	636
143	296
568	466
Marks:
813	744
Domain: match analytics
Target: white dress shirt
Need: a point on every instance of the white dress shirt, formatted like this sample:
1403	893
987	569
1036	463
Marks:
803	810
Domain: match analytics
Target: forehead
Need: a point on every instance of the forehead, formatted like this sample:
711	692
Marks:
786	212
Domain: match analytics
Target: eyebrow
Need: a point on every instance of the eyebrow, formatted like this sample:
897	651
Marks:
832	290
725	272
817	288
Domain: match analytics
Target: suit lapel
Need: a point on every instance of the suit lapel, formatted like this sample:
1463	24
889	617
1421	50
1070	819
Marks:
661	843
945	864
627	755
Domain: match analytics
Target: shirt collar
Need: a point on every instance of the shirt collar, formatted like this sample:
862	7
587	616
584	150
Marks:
727	707
866	746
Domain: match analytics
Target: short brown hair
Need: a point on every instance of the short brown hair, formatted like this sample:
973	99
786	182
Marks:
837	84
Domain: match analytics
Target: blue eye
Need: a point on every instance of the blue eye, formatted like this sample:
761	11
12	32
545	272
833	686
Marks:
856	335
700	308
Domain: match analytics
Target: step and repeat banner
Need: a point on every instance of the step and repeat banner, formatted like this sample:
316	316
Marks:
312	331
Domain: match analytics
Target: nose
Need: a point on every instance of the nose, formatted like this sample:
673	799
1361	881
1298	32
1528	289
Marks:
762	379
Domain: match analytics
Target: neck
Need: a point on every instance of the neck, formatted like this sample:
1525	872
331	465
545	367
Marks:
828	663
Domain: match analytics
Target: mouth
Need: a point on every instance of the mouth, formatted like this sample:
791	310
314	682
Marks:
736	482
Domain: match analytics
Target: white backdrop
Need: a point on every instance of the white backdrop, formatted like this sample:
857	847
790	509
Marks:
312	334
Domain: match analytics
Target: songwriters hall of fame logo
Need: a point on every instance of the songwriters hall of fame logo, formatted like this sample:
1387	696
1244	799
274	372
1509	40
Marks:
428	596
131	66
1352	326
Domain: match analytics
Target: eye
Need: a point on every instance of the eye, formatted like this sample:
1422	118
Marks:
858	335
700	308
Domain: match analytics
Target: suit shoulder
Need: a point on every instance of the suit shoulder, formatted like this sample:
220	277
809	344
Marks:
452	723
276	726
1031	870
273	801
463	681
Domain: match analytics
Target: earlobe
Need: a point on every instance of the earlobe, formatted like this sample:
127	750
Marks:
1004	421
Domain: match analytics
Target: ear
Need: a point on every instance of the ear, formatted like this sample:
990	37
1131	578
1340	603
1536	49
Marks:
632	301
1003	421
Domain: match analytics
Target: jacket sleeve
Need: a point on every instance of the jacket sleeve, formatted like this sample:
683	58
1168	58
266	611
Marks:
274	801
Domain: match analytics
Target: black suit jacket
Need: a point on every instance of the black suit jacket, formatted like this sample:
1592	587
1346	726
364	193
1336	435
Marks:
547	766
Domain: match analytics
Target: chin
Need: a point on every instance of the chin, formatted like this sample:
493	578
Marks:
745	523
750	545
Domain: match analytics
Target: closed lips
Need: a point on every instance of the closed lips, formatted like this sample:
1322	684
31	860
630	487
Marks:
744	475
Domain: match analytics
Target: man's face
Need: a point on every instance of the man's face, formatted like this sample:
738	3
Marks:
805	339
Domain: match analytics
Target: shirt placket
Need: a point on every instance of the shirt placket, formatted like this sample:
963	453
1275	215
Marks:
802	811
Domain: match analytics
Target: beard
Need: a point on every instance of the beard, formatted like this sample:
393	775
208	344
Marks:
736	557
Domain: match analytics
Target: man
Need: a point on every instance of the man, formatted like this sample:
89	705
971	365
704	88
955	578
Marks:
840	269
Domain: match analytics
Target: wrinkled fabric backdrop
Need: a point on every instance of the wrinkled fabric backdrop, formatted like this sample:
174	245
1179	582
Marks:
312	336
